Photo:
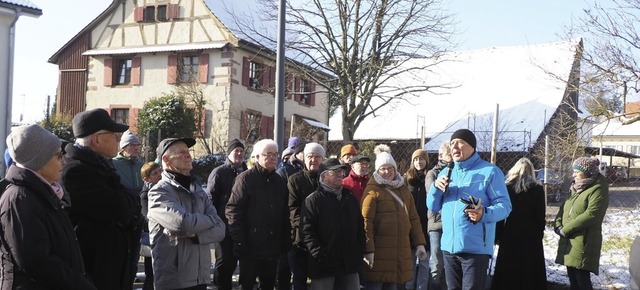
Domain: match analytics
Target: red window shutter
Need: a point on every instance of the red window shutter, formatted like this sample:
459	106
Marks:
245	72
266	127
243	125
203	68
173	11
272	77
135	71
108	72
172	71
312	96
296	89
138	14
133	120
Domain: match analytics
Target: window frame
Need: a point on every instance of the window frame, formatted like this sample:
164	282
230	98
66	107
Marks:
192	75
256	75
115	115
118	73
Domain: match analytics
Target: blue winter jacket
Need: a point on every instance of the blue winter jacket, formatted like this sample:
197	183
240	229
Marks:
480	179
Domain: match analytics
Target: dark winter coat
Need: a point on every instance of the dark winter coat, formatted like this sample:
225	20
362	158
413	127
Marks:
257	214
289	168
39	248
581	218
434	220
220	183
106	217
419	194
333	233
520	263
356	184
391	233
300	185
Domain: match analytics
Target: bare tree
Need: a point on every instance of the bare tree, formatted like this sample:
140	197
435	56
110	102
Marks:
365	45
610	66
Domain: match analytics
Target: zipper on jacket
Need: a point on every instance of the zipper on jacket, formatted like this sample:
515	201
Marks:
484	235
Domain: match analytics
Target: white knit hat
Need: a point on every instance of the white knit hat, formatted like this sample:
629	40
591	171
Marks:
383	156
314	147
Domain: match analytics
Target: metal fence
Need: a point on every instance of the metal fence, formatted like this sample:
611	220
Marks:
620	227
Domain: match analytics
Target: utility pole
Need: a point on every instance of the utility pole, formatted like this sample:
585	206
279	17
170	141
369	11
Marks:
278	126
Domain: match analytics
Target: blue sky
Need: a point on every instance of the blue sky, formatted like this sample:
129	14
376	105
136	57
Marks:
482	23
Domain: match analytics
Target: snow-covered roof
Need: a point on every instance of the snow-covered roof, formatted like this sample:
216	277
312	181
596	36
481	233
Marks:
31	8
528	82
615	128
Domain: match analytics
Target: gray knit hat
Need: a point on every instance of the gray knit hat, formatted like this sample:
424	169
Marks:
314	147
32	146
128	138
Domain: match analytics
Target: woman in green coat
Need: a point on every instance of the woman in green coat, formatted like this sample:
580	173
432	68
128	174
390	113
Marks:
579	223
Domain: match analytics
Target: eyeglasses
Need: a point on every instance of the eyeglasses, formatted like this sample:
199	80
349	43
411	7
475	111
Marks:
269	155
60	155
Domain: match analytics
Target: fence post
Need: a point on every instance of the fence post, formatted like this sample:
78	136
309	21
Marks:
494	140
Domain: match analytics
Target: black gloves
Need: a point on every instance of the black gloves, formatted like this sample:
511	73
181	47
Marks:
238	249
471	203
558	231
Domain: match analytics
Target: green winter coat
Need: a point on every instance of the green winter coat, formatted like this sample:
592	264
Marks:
581	218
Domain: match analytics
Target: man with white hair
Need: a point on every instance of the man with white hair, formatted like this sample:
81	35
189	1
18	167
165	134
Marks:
301	184
182	221
257	217
106	217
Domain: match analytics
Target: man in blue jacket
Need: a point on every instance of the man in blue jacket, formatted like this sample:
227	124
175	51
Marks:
471	198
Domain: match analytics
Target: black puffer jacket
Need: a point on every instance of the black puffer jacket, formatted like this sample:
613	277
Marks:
301	184
333	232
419	193
220	183
39	248
106	216
257	213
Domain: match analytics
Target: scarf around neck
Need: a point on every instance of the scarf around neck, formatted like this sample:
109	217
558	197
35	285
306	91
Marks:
395	183
581	184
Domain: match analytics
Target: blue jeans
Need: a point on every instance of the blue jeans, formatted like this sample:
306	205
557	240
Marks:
380	286
579	279
423	274
344	282
436	263
466	271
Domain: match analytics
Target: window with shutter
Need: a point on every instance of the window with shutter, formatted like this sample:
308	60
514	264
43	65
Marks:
304	90
122	74
120	115
172	69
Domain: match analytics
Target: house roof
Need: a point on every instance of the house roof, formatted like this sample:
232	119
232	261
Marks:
614	128
114	5
25	5
528	82
155	48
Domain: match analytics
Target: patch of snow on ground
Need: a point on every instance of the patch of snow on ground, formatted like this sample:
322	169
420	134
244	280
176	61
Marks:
614	261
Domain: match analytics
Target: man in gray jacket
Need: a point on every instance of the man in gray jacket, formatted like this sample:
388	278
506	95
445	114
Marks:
182	222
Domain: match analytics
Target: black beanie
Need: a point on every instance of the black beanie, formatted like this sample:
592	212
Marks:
465	135
233	144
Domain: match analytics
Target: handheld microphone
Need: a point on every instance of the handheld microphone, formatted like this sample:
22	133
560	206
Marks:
450	166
